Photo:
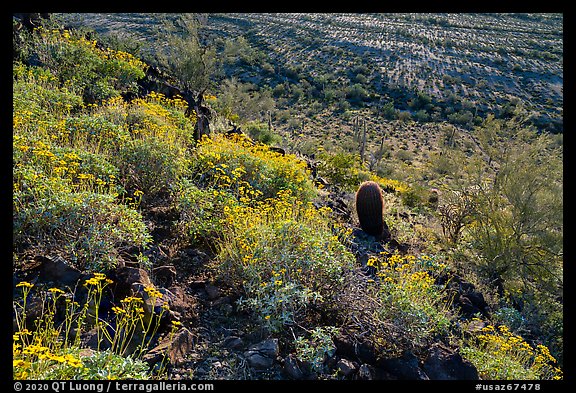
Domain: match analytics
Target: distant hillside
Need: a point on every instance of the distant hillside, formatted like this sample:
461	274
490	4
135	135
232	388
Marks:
476	63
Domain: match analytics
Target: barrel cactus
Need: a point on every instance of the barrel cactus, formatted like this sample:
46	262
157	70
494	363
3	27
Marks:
369	206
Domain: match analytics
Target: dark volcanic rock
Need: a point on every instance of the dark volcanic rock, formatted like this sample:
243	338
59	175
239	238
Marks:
445	364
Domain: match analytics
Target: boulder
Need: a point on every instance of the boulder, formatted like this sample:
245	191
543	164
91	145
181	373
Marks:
164	275
346	367
262	355
445	364
365	372
292	367
405	367
175	347
56	269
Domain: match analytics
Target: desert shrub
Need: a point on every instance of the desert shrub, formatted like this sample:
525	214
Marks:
409	298
150	165
158	116
81	170
442	164
86	228
285	257
509	211
261	133
97	73
66	202
356	93
92	132
185	56
455	213
499	354
273	244
339	167
38	93
462	118
404	155
201	210
237	166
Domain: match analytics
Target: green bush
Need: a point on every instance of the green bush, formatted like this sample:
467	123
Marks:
285	257
202	216
97	74
37	93
515	224
261	133
339	167
94	133
88	229
150	165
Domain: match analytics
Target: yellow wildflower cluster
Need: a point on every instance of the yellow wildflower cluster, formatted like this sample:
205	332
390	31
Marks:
21	118
161	117
177	102
396	185
276	243
251	172
36	352
99	280
37	76
511	357
124	57
24	284
50	351
406	271
59	165
28	360
56	36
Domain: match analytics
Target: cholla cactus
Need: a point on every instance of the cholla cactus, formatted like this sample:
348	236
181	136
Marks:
369	206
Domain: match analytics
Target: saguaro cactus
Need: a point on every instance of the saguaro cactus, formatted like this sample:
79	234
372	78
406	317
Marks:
369	206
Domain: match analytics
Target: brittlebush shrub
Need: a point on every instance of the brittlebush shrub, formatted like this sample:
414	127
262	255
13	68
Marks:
96	73
86	228
282	253
150	165
235	165
287	258
499	354
68	187
202	218
65	201
405	290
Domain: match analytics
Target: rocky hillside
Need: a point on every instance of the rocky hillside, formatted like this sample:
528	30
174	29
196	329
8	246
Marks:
154	248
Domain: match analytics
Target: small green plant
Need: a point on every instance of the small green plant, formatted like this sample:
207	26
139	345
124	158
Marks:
316	349
261	133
